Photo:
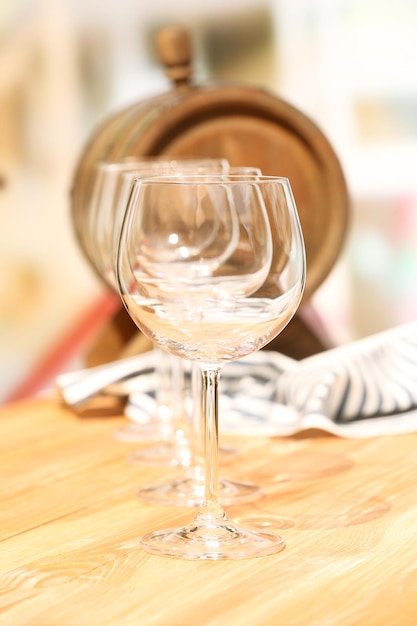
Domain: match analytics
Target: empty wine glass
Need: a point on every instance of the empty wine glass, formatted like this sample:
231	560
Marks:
188	489
179	294
110	191
176	430
170	426
182	446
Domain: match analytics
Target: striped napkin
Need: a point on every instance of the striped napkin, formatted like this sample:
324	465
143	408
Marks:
363	389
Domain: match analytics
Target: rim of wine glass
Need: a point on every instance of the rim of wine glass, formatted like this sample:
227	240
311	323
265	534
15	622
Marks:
148	163
213	177
217	179
144	167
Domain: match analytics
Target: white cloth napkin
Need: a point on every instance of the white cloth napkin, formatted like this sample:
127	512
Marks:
113	378
362	389
365	388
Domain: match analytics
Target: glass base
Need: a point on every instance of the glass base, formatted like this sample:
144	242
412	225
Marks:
171	455
152	432
212	541
166	454
189	492
139	433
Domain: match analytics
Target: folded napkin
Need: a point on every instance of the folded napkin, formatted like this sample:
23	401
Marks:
362	389
365	388
247	392
114	378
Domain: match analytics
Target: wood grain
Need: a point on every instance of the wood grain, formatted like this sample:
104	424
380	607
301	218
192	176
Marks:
70	524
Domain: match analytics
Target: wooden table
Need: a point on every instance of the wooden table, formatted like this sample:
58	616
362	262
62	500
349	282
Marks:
70	524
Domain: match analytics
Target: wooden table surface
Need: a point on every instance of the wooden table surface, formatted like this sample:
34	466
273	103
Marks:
70	523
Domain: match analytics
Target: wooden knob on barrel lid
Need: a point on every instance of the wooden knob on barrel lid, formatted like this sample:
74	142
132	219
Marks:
174	50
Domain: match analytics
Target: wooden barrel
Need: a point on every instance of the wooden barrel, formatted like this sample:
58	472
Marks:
244	124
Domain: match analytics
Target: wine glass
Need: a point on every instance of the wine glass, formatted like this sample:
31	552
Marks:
175	429
108	230
209	311
182	446
102	233
188	489
111	192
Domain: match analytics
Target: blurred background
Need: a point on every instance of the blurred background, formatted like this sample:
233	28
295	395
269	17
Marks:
350	65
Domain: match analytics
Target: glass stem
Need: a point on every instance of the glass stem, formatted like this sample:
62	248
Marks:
170	397
163	389
210	509
197	420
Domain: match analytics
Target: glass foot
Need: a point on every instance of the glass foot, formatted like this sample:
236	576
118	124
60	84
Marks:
212	541
166	454
172	455
189	492
139	433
